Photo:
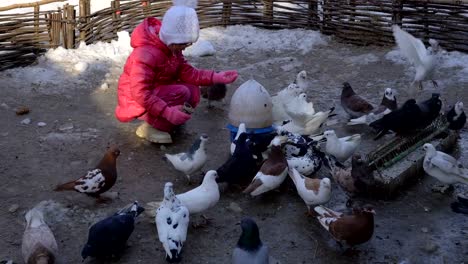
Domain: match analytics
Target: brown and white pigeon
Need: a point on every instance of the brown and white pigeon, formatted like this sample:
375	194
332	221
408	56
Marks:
312	191
98	180
353	229
39	245
388	104
353	104
272	173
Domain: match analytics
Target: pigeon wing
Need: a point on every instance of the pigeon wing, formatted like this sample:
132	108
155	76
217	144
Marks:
412	48
445	165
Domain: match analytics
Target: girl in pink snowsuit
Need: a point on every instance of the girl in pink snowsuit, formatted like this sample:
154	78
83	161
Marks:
157	80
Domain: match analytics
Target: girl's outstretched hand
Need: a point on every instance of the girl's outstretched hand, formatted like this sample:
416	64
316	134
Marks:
225	77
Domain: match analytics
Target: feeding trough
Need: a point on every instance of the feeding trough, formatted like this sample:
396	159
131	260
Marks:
251	104
398	162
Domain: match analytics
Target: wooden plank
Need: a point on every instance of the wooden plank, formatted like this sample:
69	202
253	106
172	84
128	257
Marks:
33	4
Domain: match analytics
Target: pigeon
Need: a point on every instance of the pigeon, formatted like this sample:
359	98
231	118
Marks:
456	117
108	237
423	60
443	167
310	128
191	161
204	196
409	117
98	180
295	144
355	180
240	130
272	173
172	219
312	191
284	96
460	206
301	80
241	167
215	92
353	229
388	104
249	248
353	104
341	148
308	164
39	245
299	110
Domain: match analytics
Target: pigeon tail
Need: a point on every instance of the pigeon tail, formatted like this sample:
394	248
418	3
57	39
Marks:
69	186
176	257
358	121
459	207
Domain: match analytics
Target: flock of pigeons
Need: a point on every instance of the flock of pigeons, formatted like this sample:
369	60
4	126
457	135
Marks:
298	149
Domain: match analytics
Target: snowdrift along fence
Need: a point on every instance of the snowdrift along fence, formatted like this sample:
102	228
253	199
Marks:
363	22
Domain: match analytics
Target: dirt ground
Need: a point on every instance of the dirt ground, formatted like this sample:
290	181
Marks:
416	227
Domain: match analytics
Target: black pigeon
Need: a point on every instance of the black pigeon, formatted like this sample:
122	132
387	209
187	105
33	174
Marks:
409	117
460	206
353	104
215	92
241	167
250	249
456	117
430	110
108	237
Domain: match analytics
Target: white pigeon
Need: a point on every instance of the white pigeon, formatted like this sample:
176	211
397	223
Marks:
443	167
299	109
283	96
311	127
301	80
240	130
272	173
172	219
312	191
341	148
191	161
204	196
39	245
424	60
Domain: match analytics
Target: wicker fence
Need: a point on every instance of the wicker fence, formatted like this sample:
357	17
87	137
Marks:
362	22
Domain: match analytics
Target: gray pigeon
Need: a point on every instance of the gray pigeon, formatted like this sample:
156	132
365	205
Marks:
250	248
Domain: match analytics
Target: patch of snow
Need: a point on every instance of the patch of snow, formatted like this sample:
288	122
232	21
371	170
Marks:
41	124
363	59
200	48
26	121
251	39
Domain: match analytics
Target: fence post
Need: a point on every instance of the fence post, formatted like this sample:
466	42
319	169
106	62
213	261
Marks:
268	11
55	28
71	22
397	16
145	4
84	18
325	15
425	21
115	16
36	19
226	15
312	12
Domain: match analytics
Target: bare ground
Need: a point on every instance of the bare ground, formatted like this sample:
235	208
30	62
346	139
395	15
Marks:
418	226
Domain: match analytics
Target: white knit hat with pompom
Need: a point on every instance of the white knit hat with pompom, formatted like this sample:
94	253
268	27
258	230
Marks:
180	23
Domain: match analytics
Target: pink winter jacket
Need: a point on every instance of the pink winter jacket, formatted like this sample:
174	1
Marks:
150	64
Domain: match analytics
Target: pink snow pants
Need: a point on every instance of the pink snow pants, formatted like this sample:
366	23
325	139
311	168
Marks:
172	94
